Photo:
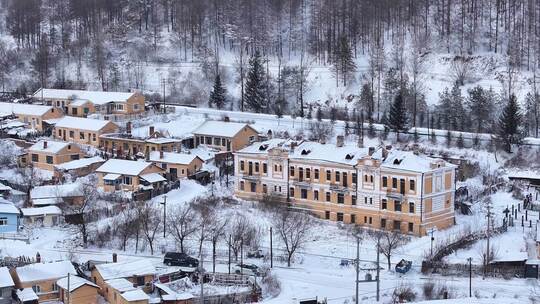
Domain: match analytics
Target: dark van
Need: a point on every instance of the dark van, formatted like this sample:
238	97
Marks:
180	259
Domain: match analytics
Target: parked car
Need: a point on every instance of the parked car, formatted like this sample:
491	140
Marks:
247	269
403	266
255	254
180	259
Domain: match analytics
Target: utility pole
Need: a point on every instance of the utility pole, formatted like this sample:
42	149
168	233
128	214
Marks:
378	271
201	279
271	250
432	239
357	267
241	256
164	203
470	277
68	292
488	206
230	238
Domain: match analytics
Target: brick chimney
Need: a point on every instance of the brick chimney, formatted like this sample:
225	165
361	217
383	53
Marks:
44	144
151	130
114	258
340	141
128	127
38	258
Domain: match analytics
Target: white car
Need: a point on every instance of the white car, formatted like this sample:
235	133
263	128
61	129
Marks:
247	269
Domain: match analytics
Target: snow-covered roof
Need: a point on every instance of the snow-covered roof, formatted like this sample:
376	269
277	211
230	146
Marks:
5	278
220	128
264	146
27	294
524	174
23	108
407	160
7	207
111	176
173	158
79	163
121	284
56	191
53	210
122	166
162	140
5	188
126	269
45	271
81	123
172	295
74	283
96	97
52	146
79	102
135	295
153	177
347	154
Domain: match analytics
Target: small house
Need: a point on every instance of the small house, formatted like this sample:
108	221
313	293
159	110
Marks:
128	175
42	278
84	131
122	291
225	136
51	195
78	168
128	144
82	103
6	286
177	165
139	273
45	154
33	116
9	217
77	290
48	216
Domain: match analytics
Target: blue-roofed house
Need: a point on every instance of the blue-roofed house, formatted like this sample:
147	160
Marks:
9	217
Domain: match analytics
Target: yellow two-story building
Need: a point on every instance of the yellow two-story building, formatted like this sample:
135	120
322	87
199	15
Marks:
379	188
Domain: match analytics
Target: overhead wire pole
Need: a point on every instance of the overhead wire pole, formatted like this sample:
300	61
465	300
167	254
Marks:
357	267
470	277
164	203
378	270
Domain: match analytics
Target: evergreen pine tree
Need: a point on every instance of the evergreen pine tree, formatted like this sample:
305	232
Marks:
397	119
448	138
509	131
310	112
433	137
217	96
476	141
319	114
371	128
460	142
255	91
343	62
366	99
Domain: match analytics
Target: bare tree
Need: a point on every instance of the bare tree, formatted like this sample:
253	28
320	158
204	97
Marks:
294	230
181	224
388	241
241	232
460	69
150	221
126	224
79	212
218	227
